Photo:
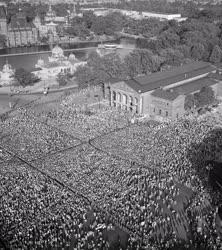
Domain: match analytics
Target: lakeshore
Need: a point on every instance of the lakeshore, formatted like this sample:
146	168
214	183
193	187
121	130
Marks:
27	57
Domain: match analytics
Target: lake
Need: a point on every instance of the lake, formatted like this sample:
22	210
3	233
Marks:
28	61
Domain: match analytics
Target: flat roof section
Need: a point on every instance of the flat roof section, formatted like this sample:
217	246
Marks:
194	86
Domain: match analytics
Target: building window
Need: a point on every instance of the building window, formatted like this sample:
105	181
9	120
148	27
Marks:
137	109
114	96
154	110
136	105
160	111
136	101
124	99
119	97
166	113
131	102
177	115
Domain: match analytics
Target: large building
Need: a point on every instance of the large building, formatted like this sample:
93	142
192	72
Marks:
163	94
56	64
21	32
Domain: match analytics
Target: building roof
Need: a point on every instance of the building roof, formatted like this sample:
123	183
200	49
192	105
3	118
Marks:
20	23
194	86
2	12
165	94
153	81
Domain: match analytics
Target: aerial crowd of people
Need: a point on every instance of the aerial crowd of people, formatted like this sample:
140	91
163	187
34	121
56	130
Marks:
87	178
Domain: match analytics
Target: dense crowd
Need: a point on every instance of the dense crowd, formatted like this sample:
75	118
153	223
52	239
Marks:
33	138
146	178
37	213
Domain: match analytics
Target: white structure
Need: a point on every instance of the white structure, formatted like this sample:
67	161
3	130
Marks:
104	49
135	14
6	75
57	55
57	64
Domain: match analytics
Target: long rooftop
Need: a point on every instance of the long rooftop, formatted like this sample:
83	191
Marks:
142	84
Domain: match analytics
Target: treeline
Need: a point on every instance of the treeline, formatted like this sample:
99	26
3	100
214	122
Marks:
30	11
194	39
138	62
97	25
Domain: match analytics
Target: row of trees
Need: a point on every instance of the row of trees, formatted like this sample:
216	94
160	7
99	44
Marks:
100	69
41	9
196	39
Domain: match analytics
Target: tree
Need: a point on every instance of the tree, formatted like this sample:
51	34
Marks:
205	96
109	65
24	77
99	26
99	69
2	41
197	51
172	56
184	49
85	76
142	62
62	79
169	39
216	55
88	18
189	102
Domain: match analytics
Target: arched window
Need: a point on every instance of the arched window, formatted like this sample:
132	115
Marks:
136	101
119	99
114	96
124	99
136	105
131	101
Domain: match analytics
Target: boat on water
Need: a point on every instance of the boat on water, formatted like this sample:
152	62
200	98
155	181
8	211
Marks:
104	49
110	46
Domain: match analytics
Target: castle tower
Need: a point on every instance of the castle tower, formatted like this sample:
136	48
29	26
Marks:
50	15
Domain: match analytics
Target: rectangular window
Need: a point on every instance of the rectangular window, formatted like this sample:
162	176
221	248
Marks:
160	112
177	115
154	110
166	113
